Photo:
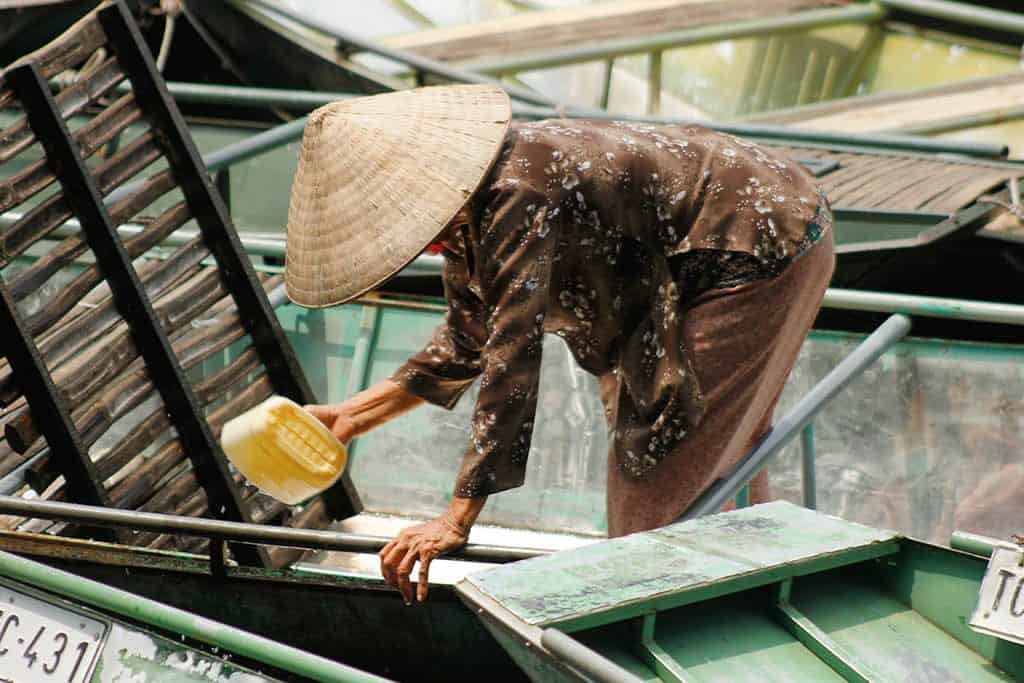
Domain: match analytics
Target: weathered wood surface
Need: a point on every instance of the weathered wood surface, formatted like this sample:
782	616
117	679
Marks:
72	48
630	573
907	111
589	24
905	182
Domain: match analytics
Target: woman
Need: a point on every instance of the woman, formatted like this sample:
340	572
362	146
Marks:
681	266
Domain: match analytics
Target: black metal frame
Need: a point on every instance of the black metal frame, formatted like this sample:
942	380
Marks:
85	199
206	205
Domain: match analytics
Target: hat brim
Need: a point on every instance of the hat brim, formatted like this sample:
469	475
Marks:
379	179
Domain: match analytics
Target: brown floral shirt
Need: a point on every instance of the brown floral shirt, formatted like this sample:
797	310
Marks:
601	233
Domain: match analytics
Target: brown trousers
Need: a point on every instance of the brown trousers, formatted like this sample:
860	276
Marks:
743	342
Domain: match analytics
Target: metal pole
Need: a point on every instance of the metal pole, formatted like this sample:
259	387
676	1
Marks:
926	306
582	658
809	481
794	136
234	531
961	12
888	334
201	93
308	100
255	145
594	51
990	117
150	612
976	544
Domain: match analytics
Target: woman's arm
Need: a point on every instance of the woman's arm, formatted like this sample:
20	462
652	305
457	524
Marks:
367	409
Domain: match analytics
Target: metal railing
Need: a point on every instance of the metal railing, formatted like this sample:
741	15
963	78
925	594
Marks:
800	419
234	532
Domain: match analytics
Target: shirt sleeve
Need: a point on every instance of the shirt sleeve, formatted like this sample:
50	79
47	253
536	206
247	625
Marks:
517	246
450	361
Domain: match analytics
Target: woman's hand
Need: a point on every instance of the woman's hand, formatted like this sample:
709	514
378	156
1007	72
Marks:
339	418
424	542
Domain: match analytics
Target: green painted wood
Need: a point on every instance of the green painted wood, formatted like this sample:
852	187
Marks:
887	635
679	564
824	648
660	660
942	586
737	639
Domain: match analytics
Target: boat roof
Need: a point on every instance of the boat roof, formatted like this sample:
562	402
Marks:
589	23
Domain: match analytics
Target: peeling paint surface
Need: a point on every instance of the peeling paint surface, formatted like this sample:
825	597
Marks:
671	561
132	656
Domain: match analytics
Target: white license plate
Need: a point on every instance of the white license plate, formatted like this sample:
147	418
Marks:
1000	610
40	641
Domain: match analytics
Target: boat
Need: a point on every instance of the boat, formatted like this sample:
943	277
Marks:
60	626
922	486
774	592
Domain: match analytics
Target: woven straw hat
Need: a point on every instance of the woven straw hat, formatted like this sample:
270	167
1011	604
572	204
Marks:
379	178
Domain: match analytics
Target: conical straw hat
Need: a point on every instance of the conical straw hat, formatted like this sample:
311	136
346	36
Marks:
378	180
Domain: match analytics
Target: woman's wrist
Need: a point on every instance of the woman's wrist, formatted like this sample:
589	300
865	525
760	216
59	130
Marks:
462	514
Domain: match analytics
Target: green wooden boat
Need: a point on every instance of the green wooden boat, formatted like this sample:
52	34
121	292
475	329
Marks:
770	593
56	626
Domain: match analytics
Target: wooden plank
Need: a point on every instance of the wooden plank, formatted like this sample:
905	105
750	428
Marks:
904	182
680	563
895	641
906	111
590	23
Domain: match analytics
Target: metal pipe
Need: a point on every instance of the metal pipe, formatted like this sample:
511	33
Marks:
177	621
592	51
963	13
238	532
888	334
308	100
976	544
255	145
202	93
412	60
809	470
583	659
795	136
992	117
925	306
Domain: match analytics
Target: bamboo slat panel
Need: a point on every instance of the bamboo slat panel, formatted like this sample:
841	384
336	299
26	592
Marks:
907	111
594	23
905	183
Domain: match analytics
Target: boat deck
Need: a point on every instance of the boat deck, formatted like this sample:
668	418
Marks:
769	593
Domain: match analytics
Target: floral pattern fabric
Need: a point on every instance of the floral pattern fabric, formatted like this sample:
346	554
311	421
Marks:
603	233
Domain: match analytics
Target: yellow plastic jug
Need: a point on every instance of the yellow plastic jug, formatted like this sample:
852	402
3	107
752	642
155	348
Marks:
284	450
